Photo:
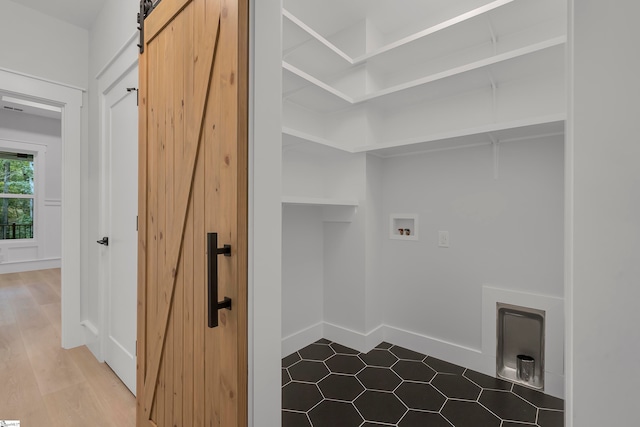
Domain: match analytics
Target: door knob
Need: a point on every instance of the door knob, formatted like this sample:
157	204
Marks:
104	241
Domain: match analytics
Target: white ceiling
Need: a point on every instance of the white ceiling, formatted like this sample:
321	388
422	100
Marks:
81	13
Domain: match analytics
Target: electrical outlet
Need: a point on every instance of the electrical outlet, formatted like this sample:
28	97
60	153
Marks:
443	239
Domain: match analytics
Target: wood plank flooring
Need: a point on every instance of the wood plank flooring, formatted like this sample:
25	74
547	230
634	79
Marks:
42	384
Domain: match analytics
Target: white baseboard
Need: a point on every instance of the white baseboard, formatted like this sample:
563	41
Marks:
352	339
454	353
303	338
92	339
451	352
31	265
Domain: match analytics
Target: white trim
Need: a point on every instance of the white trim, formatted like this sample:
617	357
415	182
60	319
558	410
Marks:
116	69
265	213
39	153
569	223
353	339
30	265
17	196
467	357
70	99
301	339
41	79
18	141
90	327
53	202
92	335
451	352
119	53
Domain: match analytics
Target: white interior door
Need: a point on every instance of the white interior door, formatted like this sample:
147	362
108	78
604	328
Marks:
120	222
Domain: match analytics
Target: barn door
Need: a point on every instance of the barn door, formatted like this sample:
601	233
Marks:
192	190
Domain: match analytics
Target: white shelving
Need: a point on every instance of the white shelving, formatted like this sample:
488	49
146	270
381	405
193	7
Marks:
516	62
317	201
332	210
459	138
462	138
492	19
292	138
414	77
311	92
464	38
313	34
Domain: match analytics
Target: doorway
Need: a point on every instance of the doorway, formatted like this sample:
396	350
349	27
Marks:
69	99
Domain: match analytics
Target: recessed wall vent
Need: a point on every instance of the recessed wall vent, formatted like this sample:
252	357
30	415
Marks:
520	338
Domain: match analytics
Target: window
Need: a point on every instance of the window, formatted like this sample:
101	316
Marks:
17	195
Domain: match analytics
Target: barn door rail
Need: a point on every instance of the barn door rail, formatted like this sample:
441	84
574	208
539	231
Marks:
212	283
146	6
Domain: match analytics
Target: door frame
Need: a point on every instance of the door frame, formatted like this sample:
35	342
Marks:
69	98
122	63
265	212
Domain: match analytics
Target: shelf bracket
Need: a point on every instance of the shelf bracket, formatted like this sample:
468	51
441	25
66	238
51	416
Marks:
494	94
495	144
494	39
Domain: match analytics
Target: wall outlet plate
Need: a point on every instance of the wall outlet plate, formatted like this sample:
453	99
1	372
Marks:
443	239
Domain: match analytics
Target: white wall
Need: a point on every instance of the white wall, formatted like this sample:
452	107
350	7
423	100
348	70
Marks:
21	129
605	237
302	272
506	232
41	46
48	48
374	305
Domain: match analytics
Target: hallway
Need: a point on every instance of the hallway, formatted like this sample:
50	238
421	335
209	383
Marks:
42	384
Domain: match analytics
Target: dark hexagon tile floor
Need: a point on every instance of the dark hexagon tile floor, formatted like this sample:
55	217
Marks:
329	385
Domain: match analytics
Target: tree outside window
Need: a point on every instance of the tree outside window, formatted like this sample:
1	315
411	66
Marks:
17	195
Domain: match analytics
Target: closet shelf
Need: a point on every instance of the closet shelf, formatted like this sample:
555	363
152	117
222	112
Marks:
292	138
318	201
304	27
455	139
489	19
312	93
464	138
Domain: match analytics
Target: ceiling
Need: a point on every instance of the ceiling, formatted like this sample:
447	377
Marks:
81	13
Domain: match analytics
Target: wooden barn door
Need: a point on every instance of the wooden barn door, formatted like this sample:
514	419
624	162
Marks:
192	184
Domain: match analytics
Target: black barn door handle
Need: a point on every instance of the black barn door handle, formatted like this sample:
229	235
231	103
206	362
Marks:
212	257
104	241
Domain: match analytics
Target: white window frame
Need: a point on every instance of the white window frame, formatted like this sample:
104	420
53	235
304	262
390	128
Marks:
39	154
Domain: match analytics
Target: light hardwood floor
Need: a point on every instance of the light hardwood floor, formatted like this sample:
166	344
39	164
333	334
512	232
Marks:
42	384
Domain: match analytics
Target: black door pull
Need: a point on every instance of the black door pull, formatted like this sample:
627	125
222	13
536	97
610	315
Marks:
104	241
212	283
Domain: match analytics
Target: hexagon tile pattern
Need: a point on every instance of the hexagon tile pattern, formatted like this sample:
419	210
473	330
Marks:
329	385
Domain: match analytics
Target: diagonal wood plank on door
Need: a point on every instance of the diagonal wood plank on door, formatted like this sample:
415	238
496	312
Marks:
203	75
